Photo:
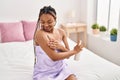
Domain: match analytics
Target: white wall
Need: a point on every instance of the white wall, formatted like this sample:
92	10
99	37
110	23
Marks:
105	48
12	10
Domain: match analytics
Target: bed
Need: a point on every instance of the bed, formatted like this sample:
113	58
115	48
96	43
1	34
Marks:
17	61
17	58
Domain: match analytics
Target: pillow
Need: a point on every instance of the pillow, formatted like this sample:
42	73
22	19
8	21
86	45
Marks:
0	35
11	32
29	29
17	54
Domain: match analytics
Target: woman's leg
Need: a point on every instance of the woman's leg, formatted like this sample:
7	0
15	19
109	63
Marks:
71	77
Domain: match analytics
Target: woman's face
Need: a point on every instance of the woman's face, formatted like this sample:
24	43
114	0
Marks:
47	22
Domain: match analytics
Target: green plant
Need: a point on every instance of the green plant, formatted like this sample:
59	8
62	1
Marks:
95	26
113	31
102	28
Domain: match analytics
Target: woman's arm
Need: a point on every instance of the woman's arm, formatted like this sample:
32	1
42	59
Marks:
64	39
42	40
57	45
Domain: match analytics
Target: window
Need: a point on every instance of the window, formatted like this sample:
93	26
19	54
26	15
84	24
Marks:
108	13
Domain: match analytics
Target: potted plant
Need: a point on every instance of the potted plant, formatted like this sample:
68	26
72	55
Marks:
113	34
102	30
95	28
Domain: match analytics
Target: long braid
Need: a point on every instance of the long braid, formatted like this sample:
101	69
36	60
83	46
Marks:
37	27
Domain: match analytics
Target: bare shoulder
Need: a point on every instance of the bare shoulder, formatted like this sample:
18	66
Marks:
40	37
61	31
39	33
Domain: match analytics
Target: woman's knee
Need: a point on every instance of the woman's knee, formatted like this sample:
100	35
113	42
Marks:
71	77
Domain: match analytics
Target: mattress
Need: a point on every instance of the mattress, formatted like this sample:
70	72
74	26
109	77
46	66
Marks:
17	62
92	67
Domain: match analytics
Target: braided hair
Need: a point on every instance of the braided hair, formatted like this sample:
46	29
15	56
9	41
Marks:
46	10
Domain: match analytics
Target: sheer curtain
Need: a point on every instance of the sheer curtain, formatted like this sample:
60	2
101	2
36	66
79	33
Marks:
108	13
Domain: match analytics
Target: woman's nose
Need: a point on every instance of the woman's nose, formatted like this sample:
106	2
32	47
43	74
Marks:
46	24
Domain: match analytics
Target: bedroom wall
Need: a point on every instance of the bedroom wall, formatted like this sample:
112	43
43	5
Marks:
15	10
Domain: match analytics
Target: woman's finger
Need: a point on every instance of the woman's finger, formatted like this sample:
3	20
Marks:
79	42
48	37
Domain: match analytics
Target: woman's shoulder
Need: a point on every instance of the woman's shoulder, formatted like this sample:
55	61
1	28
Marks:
39	36
60	30
39	32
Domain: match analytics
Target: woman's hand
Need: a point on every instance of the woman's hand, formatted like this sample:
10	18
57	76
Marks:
54	44
78	47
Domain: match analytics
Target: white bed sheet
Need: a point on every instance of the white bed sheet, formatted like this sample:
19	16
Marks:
16	60
92	67
16	63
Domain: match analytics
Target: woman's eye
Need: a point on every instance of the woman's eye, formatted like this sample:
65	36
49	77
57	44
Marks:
49	22
42	22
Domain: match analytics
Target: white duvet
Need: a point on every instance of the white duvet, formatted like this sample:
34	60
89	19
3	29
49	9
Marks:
17	61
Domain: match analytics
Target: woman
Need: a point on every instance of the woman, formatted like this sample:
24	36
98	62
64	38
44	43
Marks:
50	52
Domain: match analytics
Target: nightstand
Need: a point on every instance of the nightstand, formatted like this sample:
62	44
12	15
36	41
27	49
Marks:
76	28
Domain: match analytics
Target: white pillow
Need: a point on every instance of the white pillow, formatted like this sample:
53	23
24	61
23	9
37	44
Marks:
17	53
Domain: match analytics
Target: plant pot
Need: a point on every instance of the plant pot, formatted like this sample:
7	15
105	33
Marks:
95	31
113	37
102	33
